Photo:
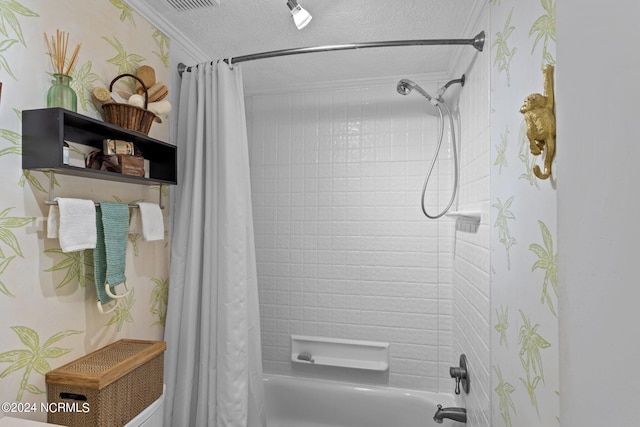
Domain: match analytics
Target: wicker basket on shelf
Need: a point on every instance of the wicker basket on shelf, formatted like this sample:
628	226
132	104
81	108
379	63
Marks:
129	116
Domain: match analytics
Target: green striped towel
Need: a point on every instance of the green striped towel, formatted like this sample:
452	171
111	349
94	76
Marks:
109	256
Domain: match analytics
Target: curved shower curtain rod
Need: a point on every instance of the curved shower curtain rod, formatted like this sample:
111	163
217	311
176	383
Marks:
477	42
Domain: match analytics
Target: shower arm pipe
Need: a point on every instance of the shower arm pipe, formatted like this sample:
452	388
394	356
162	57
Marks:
477	42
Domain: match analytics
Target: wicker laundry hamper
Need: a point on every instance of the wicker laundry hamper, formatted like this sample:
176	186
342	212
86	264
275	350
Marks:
106	388
129	116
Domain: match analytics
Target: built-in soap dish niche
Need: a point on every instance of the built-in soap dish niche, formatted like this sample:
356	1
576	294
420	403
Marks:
346	353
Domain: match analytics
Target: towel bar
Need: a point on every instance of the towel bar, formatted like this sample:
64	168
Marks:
52	196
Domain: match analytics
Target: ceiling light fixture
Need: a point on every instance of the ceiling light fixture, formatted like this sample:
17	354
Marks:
300	16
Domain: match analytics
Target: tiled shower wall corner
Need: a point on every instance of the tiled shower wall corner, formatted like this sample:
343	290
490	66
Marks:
343	249
471	255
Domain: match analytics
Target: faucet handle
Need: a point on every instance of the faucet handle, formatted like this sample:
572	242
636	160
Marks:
457	372
460	374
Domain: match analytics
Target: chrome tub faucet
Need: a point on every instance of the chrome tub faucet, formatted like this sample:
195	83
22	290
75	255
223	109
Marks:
455	414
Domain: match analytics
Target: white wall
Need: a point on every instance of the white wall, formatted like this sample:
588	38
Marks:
598	152
343	249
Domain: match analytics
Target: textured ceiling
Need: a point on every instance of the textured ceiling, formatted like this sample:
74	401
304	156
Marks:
240	27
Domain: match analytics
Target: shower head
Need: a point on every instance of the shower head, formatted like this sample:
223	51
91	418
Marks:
405	86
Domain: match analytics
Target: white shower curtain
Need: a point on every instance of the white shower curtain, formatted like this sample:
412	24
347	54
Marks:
213	362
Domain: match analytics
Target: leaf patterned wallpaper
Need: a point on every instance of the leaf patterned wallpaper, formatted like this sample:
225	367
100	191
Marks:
524	280
48	313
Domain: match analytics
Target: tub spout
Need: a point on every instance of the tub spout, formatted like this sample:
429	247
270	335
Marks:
455	414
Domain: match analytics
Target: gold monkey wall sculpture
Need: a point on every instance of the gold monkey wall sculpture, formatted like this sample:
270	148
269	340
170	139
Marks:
540	118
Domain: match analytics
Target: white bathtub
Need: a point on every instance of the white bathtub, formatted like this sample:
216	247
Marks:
296	402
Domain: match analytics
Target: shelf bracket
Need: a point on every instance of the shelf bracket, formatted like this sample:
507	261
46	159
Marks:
52	182
160	197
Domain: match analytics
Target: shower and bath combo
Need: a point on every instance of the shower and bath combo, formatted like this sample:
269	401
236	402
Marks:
405	87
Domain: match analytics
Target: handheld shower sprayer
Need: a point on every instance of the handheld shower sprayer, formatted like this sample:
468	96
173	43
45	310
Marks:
404	87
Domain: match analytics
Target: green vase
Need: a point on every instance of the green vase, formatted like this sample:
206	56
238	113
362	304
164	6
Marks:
61	94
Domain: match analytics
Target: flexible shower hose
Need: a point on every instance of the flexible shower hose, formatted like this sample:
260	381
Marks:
435	158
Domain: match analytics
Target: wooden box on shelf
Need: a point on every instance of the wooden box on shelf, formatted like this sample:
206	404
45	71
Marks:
124	163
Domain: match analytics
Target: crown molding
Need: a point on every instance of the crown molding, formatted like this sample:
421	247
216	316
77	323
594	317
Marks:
161	23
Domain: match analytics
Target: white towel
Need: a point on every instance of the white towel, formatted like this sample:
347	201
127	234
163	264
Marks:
73	222
152	221
52	222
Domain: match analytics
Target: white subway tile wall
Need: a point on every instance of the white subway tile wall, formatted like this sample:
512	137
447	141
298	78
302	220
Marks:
343	249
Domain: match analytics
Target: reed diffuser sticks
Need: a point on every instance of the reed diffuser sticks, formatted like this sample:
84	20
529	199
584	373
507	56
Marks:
58	47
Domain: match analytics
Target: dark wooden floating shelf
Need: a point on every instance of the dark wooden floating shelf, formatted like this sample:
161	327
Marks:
45	130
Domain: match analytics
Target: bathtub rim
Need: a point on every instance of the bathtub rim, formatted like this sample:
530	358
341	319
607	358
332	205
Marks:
445	399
